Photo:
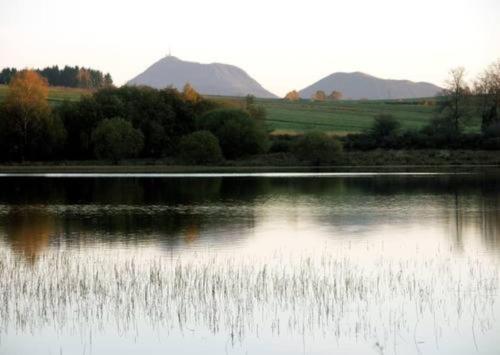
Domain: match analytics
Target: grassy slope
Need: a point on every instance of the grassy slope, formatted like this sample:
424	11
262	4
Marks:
295	117
342	117
56	94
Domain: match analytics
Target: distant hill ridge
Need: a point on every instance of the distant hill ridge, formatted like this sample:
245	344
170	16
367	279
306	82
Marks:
358	85
207	79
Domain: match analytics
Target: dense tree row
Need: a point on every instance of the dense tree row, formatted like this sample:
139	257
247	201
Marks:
127	122
141	122
75	77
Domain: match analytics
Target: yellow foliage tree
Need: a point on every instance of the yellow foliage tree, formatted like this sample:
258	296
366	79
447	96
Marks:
84	79
26	104
319	96
335	95
190	94
292	96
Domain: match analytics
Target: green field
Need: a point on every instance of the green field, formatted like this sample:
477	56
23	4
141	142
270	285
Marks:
339	118
343	117
56	94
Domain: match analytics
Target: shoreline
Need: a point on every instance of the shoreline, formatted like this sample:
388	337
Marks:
27	170
351	161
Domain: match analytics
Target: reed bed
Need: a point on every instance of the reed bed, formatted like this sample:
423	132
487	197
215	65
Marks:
319	293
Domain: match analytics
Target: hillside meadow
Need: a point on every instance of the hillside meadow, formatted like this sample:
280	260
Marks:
343	117
336	118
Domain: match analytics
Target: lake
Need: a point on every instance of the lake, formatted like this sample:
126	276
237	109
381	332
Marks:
284	263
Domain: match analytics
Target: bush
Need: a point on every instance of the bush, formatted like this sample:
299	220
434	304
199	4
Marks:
282	144
385	130
317	148
359	141
493	131
238	134
200	147
491	143
116	139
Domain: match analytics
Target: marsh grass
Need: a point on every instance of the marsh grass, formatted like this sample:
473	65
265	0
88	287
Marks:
321	294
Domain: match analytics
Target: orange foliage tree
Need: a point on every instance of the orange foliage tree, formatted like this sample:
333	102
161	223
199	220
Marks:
190	94
335	95
292	96
26	106
319	96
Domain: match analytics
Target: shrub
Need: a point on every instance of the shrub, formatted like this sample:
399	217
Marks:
493	130
200	147
384	126
116	139
491	143
359	141
282	144
317	148
239	135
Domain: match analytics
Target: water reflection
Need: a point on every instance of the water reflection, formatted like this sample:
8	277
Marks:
218	211
28	232
387	264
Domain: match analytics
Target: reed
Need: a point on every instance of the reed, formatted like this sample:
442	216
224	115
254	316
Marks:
318	293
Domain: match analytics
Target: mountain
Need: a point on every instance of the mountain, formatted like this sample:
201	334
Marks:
207	79
358	85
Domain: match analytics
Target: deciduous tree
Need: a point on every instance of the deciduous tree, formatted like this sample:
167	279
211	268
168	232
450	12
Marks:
116	139
292	96
26	108
190	94
487	89
319	96
335	95
455	105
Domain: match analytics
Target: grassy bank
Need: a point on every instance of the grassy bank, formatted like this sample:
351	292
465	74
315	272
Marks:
384	160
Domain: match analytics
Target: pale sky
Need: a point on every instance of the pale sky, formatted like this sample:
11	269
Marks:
284	45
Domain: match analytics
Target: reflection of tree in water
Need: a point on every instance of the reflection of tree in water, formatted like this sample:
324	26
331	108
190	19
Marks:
29	232
191	233
466	202
171	210
490	219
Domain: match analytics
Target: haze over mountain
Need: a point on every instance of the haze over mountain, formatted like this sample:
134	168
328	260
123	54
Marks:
207	79
358	85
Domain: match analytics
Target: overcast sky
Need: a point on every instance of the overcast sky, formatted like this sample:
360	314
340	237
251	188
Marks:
282	44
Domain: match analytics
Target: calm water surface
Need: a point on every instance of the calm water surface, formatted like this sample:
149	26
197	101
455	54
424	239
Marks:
250	264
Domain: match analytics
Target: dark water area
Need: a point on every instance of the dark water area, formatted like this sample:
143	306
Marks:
250	264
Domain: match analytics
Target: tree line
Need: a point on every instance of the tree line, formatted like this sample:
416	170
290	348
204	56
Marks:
455	107
127	122
141	122
73	77
319	95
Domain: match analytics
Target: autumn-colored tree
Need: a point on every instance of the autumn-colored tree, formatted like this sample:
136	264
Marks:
26	108
292	96
335	95
84	78
190	94
319	96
